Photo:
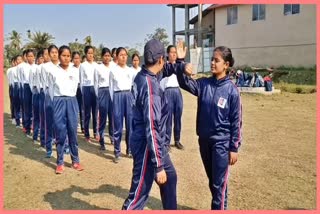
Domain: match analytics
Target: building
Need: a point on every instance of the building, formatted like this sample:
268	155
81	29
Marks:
260	35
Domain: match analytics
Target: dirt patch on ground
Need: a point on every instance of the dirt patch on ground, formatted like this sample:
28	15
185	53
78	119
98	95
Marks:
276	167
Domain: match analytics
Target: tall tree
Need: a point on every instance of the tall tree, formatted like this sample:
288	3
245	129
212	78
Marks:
39	40
88	40
160	34
15	40
76	46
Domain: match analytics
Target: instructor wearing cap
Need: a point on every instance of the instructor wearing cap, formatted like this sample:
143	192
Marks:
151	160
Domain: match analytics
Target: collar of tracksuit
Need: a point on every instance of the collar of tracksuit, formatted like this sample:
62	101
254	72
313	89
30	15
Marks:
146	71
221	81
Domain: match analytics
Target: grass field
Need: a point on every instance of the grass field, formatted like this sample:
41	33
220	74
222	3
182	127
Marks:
276	167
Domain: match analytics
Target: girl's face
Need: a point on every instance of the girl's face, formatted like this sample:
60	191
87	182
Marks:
46	57
30	58
122	58
106	58
54	55
172	55
19	60
89	55
40	60
65	58
218	65
135	62
76	60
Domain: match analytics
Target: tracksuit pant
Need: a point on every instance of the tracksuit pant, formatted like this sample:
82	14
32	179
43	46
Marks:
16	103
105	109
215	158
12	111
66	112
49	121
27	101
175	102
122	101
90	105
21	94
80	105
36	113
143	176
42	118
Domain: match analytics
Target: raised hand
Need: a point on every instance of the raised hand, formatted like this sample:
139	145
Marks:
181	50
188	69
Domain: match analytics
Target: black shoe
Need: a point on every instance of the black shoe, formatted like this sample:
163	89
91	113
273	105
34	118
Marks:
178	145
102	148
129	155
116	159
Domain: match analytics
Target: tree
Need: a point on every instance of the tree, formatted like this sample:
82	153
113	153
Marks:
76	46
15	40
39	40
160	34
9	53
132	51
87	40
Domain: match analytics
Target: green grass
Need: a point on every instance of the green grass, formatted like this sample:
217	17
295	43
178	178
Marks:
294	88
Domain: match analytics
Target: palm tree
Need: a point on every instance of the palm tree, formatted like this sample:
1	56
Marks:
15	40
39	40
76	46
87	40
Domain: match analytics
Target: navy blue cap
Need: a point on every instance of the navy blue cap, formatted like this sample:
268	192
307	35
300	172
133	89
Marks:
153	50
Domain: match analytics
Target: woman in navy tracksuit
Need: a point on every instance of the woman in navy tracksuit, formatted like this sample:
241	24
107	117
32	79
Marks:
218	122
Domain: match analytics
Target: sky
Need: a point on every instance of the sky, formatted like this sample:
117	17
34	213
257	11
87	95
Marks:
108	24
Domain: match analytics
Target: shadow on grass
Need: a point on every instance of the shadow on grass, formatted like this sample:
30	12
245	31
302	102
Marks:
58	199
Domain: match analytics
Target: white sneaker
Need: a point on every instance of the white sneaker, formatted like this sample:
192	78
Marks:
13	121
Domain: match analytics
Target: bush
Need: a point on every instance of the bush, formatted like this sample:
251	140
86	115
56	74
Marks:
294	88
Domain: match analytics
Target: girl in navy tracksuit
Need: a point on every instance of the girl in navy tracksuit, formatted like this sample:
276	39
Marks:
63	84
218	122
76	59
151	160
101	86
88	95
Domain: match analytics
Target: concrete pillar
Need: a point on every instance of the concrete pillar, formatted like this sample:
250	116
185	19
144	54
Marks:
173	25
186	34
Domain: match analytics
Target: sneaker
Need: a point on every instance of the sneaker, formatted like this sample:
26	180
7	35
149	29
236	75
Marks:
59	169
13	122
102	148
17	126
88	140
178	145
49	154
77	167
96	137
82	131
28	135
116	159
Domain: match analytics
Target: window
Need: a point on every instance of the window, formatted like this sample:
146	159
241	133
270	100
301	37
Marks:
232	13
258	12
290	9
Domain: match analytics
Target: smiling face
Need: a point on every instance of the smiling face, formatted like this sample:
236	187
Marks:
218	65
